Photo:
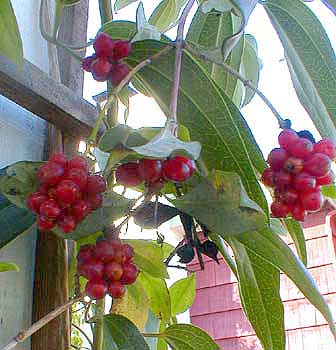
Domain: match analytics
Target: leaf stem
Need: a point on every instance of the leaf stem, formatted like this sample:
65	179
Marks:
152	335
98	333
283	123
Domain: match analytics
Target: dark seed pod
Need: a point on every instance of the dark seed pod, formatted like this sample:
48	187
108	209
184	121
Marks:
209	249
306	135
186	254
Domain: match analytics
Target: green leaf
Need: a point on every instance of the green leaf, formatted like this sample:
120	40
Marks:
158	295
8	266
114	207
113	137
149	256
329	191
161	344
311	60
331	4
124	30
206	112
270	247
182	294
120	4
10	39
221	6
145	31
188	337
277	227
259	285
220	203
295	231
124	333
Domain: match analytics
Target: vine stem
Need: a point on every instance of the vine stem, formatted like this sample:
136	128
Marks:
84	334
26	333
283	123
172	119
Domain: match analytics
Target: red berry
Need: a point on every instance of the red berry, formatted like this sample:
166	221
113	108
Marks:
176	169
302	148
78	162
101	68
294	165
304	182
67	223
60	159
128	251
50	209
86	252
35	200
50	173
95	201
87	63
297	212
127	175
325	180
287	137
150	170
279	209
311	201
130	274
78	176
116	290
277	158
80	210
327	147
45	223
118	73
121	49
267	177
290	196
103	45
105	251
119	256
115	243
96	288
67	192
282	180
191	163
113	271
318	165
96	184
91	269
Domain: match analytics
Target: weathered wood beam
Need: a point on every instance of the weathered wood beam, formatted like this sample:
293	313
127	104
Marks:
34	90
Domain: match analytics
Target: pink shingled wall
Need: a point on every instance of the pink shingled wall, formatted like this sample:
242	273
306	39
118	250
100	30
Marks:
217	308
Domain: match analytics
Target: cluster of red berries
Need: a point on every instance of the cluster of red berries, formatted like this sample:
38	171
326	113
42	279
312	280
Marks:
66	193
106	63
296	171
108	266
153	172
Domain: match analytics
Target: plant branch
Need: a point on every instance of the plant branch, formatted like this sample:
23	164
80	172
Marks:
105	9
172	119
283	123
173	253
24	334
98	334
84	334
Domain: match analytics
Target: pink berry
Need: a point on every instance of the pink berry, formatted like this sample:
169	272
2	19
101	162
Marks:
277	158
287	137
294	165
67	192
67	223
127	175
105	251
297	212
35	200
267	177
60	159
282	180
130	273
191	163
325	180
150	170
121	49
95	201
113	271
290	196
45	223
50	209
87	63
96	184
92	268
318	165
302	148
128	251
86	252
78	162
311	201
279	209
96	288
118	72
78	176
50	173
80	210
101	68
176	170
327	147
116	290
304	182
103	45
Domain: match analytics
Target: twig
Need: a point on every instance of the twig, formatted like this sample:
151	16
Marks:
98	333
24	334
173	253
179	267
283	123
84	334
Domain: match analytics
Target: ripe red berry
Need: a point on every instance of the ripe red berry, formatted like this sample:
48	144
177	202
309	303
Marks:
96	288
128	251
90	269
115	242
78	176
96	184
80	210
311	201
287	137
121	49
191	163
279	209
87	63
67	192
50	209
294	165
302	148
318	165
45	223
176	169
35	200
103	45
118	73
282	180
119	256
304	182
297	212
127	175
60	159
325	180
86	252
267	177
78	162
277	158
150	170
67	223
49	173
105	251
327	147
113	271
290	196
130	273
101	68
95	201
116	290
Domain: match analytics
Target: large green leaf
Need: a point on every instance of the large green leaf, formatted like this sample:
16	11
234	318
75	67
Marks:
220	202
10	39
188	337
182	294
310	58
124	30
205	110
124	333
120	4
259	285
295	231
8	266
273	249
